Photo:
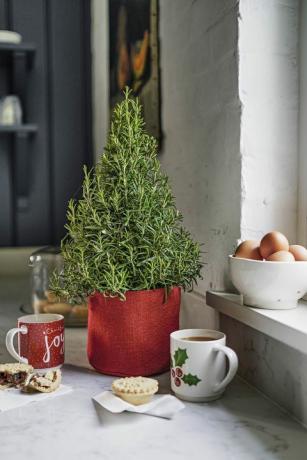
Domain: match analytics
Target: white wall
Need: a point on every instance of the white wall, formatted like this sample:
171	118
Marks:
268	90
302	208
201	124
200	119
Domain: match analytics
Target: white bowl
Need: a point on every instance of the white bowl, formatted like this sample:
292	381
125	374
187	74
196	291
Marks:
273	285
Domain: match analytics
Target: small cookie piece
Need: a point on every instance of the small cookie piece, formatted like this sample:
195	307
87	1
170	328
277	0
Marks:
43	383
13	374
135	390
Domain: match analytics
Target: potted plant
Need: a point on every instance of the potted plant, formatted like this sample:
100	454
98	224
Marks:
127	253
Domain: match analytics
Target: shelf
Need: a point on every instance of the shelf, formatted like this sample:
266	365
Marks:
18	129
287	326
21	49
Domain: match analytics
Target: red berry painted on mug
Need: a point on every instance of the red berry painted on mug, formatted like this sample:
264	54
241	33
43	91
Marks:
179	372
173	373
177	382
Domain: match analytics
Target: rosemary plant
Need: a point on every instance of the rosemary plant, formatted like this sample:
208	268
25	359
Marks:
125	232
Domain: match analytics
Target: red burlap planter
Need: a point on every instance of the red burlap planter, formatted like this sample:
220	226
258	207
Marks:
131	338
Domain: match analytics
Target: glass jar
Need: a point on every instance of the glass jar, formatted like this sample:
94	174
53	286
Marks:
10	110
43	263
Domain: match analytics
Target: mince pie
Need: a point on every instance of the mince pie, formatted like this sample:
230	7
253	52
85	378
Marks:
135	390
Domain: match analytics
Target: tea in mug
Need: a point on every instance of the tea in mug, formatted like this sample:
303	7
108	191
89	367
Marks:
198	339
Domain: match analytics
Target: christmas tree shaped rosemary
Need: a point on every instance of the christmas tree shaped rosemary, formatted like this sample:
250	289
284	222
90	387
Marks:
125	233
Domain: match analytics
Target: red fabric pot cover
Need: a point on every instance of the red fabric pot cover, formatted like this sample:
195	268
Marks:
131	338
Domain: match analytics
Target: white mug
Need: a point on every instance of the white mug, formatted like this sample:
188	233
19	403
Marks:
198	367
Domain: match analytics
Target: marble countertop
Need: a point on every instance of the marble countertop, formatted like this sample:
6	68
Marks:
242	425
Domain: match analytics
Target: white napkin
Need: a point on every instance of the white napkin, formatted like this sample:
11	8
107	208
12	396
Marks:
164	406
12	398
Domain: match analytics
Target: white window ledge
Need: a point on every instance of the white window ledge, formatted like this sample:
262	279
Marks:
287	326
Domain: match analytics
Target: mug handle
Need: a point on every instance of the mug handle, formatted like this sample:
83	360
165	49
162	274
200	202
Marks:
233	367
9	342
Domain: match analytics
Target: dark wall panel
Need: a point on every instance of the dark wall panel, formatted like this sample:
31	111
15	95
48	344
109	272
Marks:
6	198
56	95
68	37
3	14
33	221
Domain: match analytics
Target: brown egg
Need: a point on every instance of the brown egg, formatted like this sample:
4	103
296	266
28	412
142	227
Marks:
273	242
299	252
248	249
281	256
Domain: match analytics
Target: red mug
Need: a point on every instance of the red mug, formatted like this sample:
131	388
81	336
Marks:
40	341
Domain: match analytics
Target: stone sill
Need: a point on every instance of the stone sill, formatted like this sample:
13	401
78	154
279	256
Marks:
287	326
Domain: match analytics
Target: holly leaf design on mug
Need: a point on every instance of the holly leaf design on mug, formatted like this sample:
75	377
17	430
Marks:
180	356
190	379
